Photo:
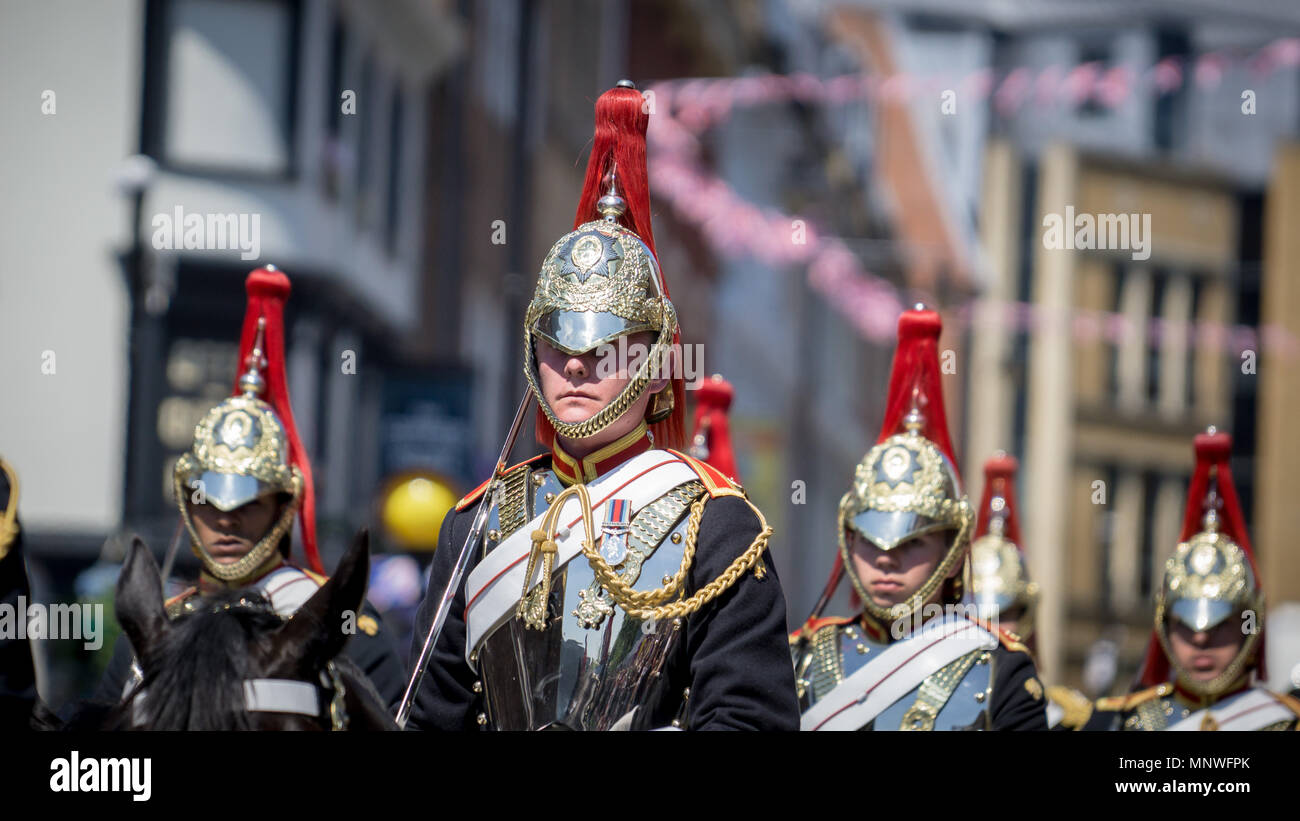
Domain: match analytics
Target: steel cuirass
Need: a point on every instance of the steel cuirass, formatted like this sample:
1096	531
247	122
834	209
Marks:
591	665
954	697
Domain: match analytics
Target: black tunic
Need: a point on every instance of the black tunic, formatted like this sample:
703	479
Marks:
1017	702
734	658
17	673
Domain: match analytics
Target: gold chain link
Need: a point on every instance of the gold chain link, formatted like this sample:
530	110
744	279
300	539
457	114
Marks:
649	604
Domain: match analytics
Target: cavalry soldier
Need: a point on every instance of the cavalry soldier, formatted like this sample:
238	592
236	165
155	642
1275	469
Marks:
617	585
238	490
1000	585
17	672
914	658
1207	643
1000	581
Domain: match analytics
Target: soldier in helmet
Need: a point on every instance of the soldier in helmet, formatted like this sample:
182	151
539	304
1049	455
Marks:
914	658
238	490
618	584
1000	583
1208	644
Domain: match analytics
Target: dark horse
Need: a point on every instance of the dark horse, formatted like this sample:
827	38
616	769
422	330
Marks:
233	664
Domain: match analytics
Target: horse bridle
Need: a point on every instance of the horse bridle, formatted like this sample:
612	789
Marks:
281	695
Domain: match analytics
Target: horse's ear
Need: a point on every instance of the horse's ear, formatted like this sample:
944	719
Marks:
319	629
139	603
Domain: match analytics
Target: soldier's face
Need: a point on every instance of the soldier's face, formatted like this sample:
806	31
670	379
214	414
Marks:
227	536
573	387
1206	653
891	577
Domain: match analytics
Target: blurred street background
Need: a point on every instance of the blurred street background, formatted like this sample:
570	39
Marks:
815	168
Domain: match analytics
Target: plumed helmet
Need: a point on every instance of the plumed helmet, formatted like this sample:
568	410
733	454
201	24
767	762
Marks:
999	576
1211	576
247	447
601	281
908	484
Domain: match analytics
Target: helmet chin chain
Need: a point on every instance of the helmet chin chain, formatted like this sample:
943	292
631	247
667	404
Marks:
263	554
914	604
607	415
1221	683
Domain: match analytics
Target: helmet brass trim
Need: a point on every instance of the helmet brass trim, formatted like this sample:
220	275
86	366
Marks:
603	268
1209	566
907	473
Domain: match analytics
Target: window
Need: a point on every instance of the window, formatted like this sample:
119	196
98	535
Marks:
1198	289
1159	278
228	90
393	204
366	98
333	150
1169	120
334	92
1100	55
1146	564
1104	535
1117	307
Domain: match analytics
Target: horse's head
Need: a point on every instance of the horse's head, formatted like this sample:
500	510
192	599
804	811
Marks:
233	664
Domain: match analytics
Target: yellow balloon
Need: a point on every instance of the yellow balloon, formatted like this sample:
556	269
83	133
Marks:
414	509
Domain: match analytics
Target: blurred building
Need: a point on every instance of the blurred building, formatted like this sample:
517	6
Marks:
410	163
302	129
1101	413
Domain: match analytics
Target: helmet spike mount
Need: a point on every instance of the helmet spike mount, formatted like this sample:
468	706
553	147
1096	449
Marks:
251	382
612	206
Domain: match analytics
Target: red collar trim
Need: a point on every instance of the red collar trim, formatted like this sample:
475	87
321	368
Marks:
571	471
874	629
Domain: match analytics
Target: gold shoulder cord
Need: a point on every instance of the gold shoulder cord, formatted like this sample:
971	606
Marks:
9	521
649	604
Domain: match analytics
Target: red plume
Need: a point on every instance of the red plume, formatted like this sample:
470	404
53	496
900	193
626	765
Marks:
1213	451
619	147
268	290
712	400
1000	480
916	376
